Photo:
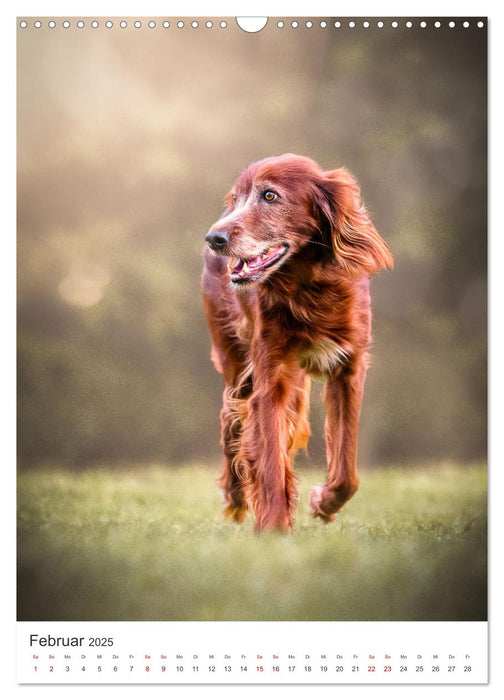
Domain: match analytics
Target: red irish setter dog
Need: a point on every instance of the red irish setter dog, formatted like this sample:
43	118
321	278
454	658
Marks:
286	295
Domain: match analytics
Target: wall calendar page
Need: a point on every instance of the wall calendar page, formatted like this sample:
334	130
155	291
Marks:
252	350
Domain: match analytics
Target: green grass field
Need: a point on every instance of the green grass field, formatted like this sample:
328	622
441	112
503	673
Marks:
150	544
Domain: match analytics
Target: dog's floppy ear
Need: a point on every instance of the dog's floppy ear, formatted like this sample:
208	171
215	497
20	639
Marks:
356	243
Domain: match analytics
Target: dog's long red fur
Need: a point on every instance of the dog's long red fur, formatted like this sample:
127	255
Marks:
286	295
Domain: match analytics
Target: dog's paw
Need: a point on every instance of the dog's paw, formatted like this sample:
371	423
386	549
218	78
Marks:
236	513
316	501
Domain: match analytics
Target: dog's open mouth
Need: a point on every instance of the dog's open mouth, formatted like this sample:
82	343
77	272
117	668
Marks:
250	270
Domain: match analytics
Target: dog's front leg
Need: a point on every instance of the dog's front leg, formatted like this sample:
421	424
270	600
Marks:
267	439
343	398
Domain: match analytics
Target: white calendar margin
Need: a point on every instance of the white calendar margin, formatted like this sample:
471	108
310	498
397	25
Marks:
253	652
239	8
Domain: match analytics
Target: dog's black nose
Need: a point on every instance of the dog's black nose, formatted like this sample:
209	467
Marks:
217	240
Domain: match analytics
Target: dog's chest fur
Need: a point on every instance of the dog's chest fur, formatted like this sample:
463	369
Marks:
323	357
312	325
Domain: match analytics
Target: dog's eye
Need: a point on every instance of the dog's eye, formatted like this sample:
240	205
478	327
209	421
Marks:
233	197
270	196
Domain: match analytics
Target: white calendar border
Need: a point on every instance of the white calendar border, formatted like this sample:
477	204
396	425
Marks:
259	8
272	653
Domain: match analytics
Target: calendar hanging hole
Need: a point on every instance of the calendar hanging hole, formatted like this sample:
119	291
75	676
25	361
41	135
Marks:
252	24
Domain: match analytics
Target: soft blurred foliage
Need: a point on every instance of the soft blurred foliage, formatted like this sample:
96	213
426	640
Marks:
127	141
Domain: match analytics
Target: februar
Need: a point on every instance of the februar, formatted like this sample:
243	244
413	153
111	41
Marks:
50	641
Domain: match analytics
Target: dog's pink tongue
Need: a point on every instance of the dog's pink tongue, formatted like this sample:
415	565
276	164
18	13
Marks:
256	262
265	258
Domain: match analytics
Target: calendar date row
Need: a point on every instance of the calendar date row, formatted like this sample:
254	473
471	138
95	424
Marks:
292	668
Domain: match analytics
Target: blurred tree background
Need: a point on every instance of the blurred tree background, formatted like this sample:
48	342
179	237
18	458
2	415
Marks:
128	140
